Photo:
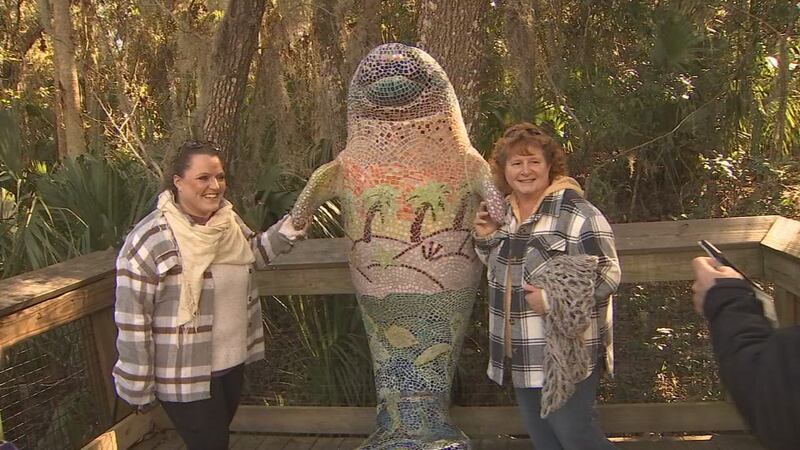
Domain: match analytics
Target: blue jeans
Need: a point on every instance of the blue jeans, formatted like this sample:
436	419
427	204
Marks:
574	426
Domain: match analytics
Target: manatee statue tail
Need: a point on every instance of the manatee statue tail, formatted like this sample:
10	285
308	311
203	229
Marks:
415	340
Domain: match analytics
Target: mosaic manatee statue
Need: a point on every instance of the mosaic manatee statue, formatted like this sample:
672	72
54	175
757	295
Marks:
409	183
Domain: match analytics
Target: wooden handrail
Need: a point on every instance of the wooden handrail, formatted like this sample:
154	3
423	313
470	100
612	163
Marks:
631	238
649	251
30	288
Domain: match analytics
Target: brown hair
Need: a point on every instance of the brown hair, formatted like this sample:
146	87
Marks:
521	139
178	162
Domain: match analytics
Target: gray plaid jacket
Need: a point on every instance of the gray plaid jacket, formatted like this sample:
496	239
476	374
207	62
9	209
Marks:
157	358
565	223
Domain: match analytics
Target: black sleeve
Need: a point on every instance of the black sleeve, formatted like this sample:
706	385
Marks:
760	366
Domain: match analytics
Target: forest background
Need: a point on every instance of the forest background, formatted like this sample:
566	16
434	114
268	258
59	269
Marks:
668	109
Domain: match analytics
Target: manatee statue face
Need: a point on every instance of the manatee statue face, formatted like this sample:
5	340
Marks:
396	82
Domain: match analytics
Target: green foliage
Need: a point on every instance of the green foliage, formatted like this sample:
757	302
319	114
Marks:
29	233
399	21
336	364
662	351
106	200
271	199
51	213
744	185
677	45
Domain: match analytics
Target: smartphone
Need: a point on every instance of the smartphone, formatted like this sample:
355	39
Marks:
767	303
713	252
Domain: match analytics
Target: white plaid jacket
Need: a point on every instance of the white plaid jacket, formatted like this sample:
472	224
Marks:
565	223
157	358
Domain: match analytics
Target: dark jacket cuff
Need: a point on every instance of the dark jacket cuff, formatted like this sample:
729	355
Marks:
727	292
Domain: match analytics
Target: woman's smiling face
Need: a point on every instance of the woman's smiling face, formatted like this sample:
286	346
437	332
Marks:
202	186
528	173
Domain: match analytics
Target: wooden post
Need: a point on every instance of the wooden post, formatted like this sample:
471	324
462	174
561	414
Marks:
786	306
105	336
782	266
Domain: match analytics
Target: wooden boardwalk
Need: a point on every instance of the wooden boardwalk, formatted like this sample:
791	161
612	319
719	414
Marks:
169	440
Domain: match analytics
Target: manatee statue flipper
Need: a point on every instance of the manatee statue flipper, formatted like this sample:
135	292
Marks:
486	189
322	186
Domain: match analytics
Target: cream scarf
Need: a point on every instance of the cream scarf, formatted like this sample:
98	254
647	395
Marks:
219	241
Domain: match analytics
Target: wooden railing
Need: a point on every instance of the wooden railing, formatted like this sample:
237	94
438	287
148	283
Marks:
765	247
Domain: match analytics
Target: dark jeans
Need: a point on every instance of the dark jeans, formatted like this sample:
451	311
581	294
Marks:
574	426
203	424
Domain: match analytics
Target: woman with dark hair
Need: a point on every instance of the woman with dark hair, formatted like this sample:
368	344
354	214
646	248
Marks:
187	308
552	268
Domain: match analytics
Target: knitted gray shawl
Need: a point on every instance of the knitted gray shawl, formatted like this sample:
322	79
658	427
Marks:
569	283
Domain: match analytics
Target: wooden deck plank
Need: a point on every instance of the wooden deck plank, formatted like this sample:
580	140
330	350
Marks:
25	290
650	251
784	237
174	442
334	443
162	440
351	443
124	434
664	265
300	443
492	420
247	442
736	442
169	440
638	237
272	442
783	270
239	441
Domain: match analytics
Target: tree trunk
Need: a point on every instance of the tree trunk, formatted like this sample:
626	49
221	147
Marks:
234	47
58	24
782	86
452	32
11	68
416	226
365	35
522	42
94	88
328	86
269	122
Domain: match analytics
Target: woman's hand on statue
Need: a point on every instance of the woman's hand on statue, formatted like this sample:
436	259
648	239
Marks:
287	229
484	225
533	295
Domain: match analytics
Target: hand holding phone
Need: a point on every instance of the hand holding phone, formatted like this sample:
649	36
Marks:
767	303
714	253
